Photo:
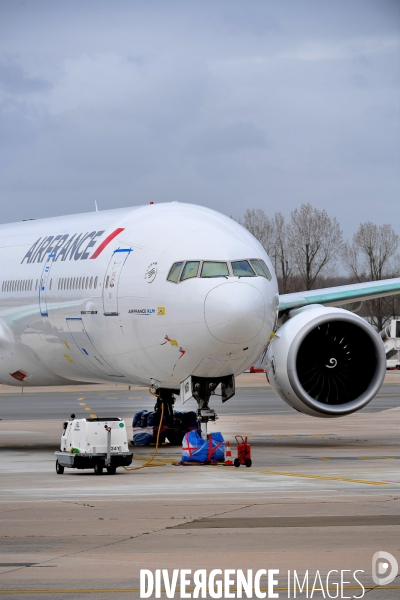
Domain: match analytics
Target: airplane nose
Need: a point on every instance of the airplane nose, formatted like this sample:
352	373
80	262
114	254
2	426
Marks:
234	312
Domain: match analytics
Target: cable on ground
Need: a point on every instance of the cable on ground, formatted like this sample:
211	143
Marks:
147	464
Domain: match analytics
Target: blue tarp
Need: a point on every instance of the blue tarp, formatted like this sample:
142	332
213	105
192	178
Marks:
195	449
145	426
142	438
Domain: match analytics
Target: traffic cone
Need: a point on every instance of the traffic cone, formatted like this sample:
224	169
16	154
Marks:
228	455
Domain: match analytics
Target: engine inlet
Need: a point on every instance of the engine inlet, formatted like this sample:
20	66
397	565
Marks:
336	362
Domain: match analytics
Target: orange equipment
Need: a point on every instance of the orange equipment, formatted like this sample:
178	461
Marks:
228	455
243	451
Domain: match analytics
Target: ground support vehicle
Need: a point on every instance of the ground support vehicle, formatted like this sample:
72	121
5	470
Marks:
94	443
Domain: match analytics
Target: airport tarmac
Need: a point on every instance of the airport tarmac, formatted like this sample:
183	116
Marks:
323	494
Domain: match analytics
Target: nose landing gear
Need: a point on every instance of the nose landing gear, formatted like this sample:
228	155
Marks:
202	390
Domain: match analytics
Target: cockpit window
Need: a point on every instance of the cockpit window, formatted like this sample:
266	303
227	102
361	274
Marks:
242	268
257	267
214	269
265	268
190	269
173	275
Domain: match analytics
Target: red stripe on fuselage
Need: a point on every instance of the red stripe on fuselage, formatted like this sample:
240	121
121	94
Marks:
107	241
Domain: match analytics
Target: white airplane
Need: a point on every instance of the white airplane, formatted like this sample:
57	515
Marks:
182	298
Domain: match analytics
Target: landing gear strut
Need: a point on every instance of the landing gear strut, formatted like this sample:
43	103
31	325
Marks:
202	393
202	390
167	398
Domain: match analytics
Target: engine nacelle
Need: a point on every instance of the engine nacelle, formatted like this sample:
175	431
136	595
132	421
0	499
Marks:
326	362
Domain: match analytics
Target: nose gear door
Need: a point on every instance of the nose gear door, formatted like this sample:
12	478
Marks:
110	287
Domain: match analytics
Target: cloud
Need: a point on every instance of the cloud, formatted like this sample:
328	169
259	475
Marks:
229	138
15	80
227	104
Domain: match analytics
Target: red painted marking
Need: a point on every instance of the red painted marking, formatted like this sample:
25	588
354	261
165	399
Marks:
107	241
189	448
19	375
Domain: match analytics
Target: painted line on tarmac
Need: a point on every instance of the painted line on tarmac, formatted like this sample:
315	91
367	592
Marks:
283	473
352	457
309	476
298	522
324	477
177	591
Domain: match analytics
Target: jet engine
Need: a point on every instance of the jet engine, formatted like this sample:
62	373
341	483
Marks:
325	362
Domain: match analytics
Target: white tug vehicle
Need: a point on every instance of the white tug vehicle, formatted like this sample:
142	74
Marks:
93	444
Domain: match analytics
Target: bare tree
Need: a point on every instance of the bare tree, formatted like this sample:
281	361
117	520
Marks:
282	254
316	241
370	257
256	221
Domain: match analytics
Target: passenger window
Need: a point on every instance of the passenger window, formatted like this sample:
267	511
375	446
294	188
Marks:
190	269
242	268
266	270
107	280
173	275
95	283
87	282
214	269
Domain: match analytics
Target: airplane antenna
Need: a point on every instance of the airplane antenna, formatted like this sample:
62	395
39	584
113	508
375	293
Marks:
95	203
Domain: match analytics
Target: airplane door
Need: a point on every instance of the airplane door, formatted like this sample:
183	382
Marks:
87	348
44	283
110	287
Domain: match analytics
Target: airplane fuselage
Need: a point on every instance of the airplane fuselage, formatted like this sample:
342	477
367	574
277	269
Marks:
86	298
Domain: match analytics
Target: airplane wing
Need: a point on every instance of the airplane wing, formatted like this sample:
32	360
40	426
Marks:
343	294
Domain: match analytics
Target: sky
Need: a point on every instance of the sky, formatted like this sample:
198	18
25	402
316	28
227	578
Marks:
231	104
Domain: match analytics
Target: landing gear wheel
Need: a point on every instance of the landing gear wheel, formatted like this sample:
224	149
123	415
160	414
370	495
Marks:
111	470
59	468
175	437
248	462
236	462
98	468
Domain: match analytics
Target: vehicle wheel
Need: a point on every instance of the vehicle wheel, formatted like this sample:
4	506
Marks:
175	437
111	470
98	468
236	462
248	462
59	468
398	367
